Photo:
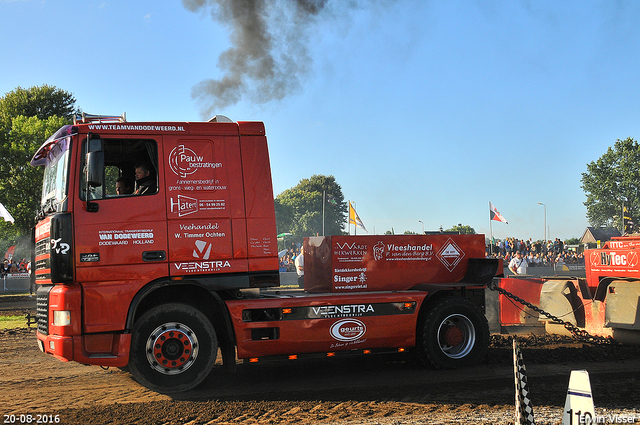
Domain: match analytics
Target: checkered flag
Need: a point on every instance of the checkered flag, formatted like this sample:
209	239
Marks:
524	408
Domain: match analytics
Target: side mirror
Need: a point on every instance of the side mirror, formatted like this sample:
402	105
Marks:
95	168
95	162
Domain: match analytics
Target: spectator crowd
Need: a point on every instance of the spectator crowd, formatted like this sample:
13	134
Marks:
288	258
11	265
536	253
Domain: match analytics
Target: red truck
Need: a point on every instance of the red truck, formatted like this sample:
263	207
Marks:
164	282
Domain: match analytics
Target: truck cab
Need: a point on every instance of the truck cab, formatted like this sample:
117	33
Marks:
206	219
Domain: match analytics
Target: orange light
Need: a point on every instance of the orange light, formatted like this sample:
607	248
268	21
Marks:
177	277
293	357
253	360
286	311
400	350
366	351
331	354
408	305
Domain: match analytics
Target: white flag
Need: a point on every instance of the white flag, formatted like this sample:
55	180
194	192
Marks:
5	214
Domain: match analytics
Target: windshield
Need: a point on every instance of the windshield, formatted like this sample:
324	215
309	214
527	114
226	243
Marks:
54	155
54	184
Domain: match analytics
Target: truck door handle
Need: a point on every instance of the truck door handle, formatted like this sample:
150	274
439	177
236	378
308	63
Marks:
154	256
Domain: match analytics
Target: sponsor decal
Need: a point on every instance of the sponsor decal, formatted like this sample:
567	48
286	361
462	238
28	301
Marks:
350	246
203	250
350	270
129	127
348	310
349	252
123	237
348	330
209	230
184	161
351	310
350	282
60	247
348	279
405	252
90	257
612	258
450	254
202	266
263	245
197	184
185	205
378	251
43	229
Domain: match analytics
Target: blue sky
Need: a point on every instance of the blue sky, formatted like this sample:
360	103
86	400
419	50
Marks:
422	110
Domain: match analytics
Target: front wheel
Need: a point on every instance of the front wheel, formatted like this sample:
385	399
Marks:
453	334
173	348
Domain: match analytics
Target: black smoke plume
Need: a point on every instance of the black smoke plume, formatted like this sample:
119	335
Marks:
269	53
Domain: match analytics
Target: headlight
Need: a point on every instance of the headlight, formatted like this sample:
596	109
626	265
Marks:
61	318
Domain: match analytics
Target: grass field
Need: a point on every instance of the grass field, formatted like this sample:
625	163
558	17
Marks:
11	322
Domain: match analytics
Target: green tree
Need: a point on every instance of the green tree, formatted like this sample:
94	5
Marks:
299	209
39	101
462	229
27	118
572	241
610	181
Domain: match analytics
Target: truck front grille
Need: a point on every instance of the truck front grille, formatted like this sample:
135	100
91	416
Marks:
42	309
43	265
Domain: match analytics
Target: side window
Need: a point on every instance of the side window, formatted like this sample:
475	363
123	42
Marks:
111	175
130	169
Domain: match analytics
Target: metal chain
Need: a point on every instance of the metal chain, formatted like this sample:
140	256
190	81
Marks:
578	333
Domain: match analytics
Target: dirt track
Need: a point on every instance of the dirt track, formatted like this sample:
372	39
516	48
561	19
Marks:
372	390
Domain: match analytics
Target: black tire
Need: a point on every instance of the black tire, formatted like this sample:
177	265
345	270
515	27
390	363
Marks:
454	333
173	348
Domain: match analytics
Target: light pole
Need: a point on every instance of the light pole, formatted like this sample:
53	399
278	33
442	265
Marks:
420	221
545	221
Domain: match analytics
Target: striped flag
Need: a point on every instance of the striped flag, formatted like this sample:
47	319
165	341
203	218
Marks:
524	407
495	214
354	218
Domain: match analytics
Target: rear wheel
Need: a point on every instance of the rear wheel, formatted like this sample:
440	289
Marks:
173	348
453	334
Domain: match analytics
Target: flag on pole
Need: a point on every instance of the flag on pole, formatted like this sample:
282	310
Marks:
355	219
524	407
495	215
10	251
5	214
629	225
